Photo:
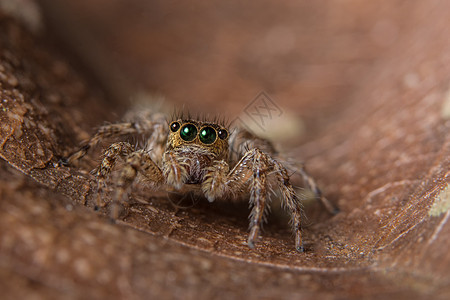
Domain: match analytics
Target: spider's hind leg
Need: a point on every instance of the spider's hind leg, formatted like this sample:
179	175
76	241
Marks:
104	132
155	125
312	185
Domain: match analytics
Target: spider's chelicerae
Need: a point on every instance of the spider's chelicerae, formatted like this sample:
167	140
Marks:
204	156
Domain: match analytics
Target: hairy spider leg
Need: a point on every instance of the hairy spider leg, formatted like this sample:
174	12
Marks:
136	162
291	202
258	193
251	171
114	152
156	126
312	185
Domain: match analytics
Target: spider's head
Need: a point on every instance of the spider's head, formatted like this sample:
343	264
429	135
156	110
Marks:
208	136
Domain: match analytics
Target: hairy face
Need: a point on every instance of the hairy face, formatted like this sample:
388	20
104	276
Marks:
209	136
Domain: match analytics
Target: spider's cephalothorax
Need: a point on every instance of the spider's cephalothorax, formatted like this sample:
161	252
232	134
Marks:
205	156
200	144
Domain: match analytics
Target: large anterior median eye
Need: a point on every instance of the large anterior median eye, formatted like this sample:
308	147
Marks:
188	132
207	135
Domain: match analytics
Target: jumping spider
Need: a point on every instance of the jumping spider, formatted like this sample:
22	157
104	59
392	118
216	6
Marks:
204	156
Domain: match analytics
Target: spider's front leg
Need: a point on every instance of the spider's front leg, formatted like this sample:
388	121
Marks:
135	162
110	157
258	193
262	165
251	171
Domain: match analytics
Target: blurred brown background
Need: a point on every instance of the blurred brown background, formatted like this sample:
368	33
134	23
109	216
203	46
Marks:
364	90
309	57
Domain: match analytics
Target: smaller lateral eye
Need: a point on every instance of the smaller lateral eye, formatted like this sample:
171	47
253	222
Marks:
174	126
222	133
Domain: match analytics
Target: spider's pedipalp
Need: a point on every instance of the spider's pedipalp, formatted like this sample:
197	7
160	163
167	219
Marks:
214	185
174	170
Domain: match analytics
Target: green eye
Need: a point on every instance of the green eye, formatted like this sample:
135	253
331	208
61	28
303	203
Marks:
188	132
207	135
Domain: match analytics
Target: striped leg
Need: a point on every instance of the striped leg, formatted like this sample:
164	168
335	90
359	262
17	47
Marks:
291	202
312	185
155	125
114	152
258	196
136	162
106	131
